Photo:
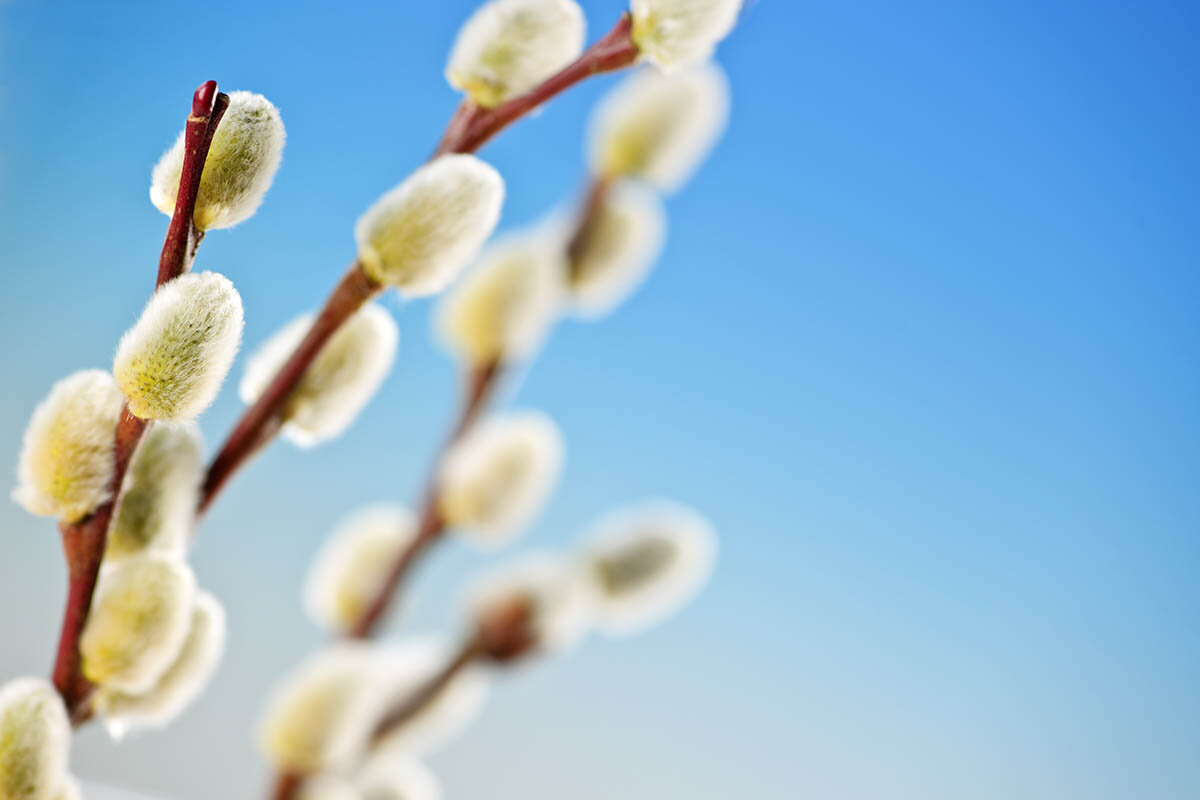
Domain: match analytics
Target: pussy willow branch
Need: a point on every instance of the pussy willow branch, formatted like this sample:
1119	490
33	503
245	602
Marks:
84	541
469	128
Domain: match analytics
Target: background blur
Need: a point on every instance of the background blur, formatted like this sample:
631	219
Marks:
924	344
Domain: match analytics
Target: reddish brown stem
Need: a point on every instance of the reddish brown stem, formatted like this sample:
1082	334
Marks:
262	420
473	125
83	545
286	785
183	238
412	705
480	383
595	197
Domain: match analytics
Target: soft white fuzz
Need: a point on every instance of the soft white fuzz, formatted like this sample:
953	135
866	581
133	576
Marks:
339	383
35	736
620	247
158	501
502	309
642	564
140	617
242	161
658	128
554	590
497	477
171	364
395	776
180	684
319	717
352	566
406	666
420	234
66	463
69	789
678	33
508	47
329	787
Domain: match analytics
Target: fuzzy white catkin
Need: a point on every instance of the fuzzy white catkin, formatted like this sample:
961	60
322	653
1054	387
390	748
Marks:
395	776
35	737
644	563
508	47
339	383
353	564
242	161
66	464
658	128
139	620
621	245
180	684
171	364
407	666
420	234
497	477
502	309
319	717
554	589
69	789
329	787
158	501
679	33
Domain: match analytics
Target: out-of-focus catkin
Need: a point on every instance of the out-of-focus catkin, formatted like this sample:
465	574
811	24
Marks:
658	128
242	161
171	364
339	383
420	234
140	617
66	464
35	736
497	477
502	309
508	47
158	501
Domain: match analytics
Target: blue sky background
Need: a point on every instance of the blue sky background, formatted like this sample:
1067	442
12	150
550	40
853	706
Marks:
924	344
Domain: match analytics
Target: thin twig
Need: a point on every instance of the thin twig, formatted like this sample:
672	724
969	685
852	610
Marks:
596	195
262	420
413	704
84	541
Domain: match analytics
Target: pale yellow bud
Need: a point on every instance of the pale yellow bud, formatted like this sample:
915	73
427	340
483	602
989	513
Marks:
644	563
658	128
551	588
66	465
617	251
498	476
171	364
407	666
35	736
679	33
140	617
339	383
320	716
420	234
352	566
508	47
242	161
180	684
396	776
502	309
158	502
69	789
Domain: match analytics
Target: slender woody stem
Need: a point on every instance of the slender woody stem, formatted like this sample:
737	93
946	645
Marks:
183	238
84	541
263	419
480	384
420	699
473	125
598	190
83	546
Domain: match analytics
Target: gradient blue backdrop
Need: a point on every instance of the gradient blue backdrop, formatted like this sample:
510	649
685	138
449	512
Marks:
924	344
